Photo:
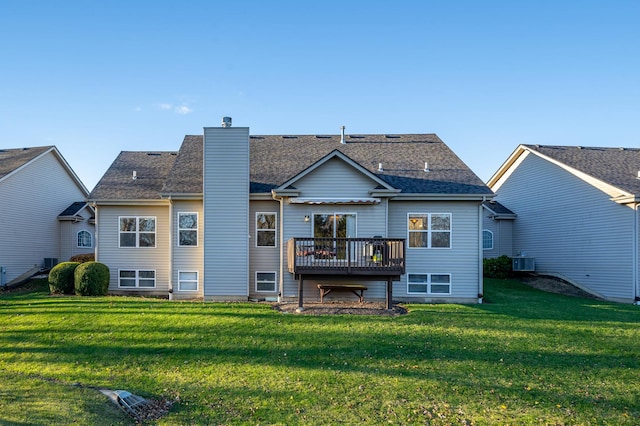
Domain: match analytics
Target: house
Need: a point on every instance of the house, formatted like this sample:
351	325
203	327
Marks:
43	212
577	214
497	232
234	216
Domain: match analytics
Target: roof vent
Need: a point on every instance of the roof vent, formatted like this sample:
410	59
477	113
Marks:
134	176
426	167
638	177
342	135
226	121
380	169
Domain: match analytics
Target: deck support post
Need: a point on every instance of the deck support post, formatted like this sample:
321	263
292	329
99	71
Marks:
389	293
300	286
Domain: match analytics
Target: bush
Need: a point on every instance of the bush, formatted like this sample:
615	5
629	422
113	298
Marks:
499	267
61	279
92	279
82	258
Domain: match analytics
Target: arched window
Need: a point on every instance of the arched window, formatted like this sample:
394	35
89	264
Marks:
487	240
84	239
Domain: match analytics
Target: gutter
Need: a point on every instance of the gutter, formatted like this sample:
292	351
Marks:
170	248
280	201
634	261
480	254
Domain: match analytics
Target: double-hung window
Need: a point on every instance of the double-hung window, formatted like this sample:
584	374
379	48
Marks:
136	278
265	229
429	283
187	229
429	230
137	231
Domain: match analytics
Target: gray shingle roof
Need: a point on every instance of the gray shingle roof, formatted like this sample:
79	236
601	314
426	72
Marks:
14	158
616	166
276	159
152	169
73	209
498	209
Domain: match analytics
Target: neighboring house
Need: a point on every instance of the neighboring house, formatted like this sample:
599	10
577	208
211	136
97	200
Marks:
235	217
497	232
44	217
577	213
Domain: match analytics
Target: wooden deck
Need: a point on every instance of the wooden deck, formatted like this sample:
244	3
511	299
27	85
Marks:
361	259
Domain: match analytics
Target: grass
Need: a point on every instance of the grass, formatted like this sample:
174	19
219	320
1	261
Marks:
526	357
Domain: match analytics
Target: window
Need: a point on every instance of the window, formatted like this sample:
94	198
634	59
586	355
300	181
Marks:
137	231
429	283
331	226
487	240
136	279
265	281
429	230
265	229
187	229
188	281
84	239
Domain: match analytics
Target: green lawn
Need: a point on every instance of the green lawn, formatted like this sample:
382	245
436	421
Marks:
525	357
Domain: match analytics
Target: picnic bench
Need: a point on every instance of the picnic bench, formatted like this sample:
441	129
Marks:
356	289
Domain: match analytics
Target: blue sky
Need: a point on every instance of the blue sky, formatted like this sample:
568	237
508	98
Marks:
98	77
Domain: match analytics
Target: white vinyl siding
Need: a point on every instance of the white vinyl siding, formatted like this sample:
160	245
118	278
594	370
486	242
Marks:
109	253
461	261
38	193
226	220
571	227
263	258
185	257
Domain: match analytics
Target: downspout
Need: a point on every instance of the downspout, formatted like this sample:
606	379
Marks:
634	262
96	239
171	248
480	253
283	247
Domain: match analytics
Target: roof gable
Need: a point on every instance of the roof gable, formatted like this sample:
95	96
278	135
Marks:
13	160
335	154
616	168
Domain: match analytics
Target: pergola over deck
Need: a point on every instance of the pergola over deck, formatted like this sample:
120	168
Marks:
357	259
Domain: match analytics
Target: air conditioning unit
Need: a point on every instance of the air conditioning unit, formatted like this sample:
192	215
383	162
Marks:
523	264
50	262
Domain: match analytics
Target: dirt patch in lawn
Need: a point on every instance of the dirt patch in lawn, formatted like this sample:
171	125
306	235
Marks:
341	307
555	285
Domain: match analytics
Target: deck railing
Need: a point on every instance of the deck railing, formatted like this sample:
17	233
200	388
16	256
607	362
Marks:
357	256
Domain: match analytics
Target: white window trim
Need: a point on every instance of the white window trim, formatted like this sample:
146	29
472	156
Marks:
188	229
137	278
275	281
275	230
90	236
137	246
197	281
428	283
490	232
429	231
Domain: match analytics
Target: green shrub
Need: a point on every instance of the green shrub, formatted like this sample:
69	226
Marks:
92	279
82	258
499	267
61	279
